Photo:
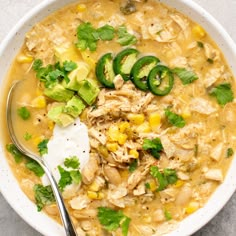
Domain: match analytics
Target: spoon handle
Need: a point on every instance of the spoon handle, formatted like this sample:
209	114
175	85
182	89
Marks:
66	220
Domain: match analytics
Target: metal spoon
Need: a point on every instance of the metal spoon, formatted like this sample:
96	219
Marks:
69	228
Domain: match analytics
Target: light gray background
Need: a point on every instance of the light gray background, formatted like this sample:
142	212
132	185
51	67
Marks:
224	224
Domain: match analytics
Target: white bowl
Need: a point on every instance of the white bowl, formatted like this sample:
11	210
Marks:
8	184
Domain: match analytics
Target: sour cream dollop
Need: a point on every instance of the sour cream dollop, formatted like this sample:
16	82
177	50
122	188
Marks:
66	142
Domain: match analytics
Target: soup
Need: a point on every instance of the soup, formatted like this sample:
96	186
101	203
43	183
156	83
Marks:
131	105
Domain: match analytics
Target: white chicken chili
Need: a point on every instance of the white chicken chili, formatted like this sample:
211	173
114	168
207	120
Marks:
132	105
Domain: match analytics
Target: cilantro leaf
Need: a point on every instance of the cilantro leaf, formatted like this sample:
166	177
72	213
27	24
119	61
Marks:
187	77
37	64
42	147
35	167
175	119
65	178
154	146
223	93
230	152
72	162
24	113
133	166
168	176
112	220
27	136
106	32
124	37
18	156
168	215
87	37
69	66
76	176
43	196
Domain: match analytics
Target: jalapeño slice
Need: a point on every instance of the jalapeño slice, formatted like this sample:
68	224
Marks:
141	70
160	80
104	71
124	62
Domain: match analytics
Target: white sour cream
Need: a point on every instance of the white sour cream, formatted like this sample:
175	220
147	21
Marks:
66	142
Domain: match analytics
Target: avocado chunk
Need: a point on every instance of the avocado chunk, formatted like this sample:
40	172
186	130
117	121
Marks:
74	107
76	76
56	114
88	91
59	93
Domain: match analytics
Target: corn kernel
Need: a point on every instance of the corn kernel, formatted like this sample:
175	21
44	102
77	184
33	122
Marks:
186	115
153	185
112	147
81	7
179	183
123	126
144	128
95	195
37	140
192	207
39	102
198	32
113	133
51	124
24	59
154	120
122	138
94	187
136	119
134	153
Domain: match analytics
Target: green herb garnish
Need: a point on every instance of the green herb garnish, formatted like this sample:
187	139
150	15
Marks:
200	44
154	146
112	220
24	113
106	32
223	93
43	196
230	152
27	136
35	167
133	166
168	176
18	156
42	147
168	215
124	37
211	61
72	162
174	118
186	76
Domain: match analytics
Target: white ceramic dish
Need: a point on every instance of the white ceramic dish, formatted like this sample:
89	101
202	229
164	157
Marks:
8	184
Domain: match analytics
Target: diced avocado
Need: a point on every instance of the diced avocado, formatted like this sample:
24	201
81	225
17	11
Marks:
76	76
56	114
74	107
66	53
88	91
59	93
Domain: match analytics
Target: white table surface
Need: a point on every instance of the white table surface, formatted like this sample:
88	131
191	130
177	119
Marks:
224	223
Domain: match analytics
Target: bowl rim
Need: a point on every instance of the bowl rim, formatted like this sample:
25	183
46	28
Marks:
182	229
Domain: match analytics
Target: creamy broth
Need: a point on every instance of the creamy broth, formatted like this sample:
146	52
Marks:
120	173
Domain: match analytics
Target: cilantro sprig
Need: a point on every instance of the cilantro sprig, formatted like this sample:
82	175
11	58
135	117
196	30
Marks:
35	167
174	118
43	196
168	176
17	155
24	113
72	162
112	220
42	147
50	75
88	36
223	93
154	146
186	76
